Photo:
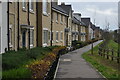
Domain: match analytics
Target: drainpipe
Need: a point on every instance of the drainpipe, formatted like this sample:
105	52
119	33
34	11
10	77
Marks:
37	23
67	33
29	29
8	23
18	26
51	26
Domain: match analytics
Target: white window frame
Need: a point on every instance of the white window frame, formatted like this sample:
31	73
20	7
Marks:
45	7
10	36
61	18
31	5
45	42
61	36
57	36
32	45
24	5
57	15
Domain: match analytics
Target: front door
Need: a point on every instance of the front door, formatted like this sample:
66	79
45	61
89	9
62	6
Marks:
24	38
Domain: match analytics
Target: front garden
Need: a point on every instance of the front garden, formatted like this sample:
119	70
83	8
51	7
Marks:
31	64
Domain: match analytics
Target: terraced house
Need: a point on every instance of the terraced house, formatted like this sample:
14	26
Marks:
45	22
22	25
81	28
68	9
87	21
59	23
75	29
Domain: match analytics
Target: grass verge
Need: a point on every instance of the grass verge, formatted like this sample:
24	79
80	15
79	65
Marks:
109	69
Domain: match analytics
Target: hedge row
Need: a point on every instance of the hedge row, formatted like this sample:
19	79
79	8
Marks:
79	44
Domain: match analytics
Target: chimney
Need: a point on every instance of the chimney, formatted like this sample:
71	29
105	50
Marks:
62	3
55	1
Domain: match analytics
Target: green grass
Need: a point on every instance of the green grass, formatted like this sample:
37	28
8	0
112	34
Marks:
108	68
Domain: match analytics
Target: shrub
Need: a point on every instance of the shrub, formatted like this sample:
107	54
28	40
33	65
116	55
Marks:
39	68
14	59
78	44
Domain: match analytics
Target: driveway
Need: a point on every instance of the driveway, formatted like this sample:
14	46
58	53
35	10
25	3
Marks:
72	66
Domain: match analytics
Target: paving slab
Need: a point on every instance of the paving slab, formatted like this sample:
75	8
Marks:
73	66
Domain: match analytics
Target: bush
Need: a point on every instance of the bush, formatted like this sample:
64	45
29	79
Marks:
78	44
14	59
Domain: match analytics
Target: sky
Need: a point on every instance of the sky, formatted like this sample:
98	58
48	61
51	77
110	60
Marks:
103	12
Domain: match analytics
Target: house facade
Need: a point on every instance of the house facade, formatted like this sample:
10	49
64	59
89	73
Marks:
22	25
46	22
68	9
88	28
3	27
81	29
75	29
82	32
59	23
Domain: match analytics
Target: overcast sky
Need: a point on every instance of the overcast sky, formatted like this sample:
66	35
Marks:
103	12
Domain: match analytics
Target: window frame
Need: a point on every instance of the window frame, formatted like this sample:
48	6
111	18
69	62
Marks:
24	5
45	6
32	31
31	6
57	36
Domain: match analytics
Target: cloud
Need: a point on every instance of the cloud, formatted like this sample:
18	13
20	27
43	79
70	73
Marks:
103	12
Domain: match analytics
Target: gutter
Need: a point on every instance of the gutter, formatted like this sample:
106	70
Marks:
51	26
18	26
29	29
37	24
8	24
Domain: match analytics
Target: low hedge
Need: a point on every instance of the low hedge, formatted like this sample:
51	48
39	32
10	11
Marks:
39	68
13	59
79	44
15	64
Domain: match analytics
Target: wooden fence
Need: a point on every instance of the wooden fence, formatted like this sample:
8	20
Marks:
109	54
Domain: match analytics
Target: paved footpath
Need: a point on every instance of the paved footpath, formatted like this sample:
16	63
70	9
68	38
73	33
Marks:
72	65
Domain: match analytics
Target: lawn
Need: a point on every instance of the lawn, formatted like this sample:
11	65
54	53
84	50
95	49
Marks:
108	68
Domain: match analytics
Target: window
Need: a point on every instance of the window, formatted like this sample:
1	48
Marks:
61	36
57	17
10	35
31	37
31	5
45	36
49	35
57	36
24	4
44	6
61	18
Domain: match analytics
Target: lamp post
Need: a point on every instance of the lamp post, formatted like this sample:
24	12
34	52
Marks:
92	40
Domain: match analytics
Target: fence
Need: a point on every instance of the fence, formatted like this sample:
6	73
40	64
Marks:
109	54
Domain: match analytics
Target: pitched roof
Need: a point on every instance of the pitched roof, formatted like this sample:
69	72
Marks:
83	24
74	20
67	8
86	21
95	27
56	7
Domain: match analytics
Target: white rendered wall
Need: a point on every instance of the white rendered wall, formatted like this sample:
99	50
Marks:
3	24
